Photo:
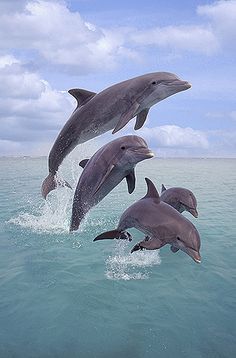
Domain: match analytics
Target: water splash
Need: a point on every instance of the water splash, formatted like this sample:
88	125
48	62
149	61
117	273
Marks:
126	266
51	216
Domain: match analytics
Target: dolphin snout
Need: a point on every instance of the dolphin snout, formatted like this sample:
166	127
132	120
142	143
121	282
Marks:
144	151
194	212
188	85
185	84
195	255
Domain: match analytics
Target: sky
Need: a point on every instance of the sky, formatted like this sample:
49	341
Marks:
48	47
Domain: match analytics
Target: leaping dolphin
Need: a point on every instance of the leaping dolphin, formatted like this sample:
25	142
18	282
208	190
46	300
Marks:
180	198
110	109
104	171
161	224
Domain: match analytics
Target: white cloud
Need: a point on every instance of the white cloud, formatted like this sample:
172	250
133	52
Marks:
7	6
192	38
7	60
222	15
174	136
61	37
31	110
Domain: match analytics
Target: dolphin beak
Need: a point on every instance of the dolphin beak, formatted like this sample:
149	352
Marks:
144	151
195	255
150	154
186	84
182	85
194	212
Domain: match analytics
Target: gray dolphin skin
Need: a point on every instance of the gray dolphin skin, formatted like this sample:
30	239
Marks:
181	199
161	225
110	109
104	171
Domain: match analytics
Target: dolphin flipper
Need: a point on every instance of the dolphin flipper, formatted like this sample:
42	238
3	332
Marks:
109	169
130	178
141	118
126	117
148	244
51	183
114	234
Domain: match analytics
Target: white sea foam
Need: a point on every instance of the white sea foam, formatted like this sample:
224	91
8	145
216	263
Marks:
51	216
123	265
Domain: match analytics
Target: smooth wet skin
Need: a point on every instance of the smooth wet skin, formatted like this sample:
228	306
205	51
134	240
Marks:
181	199
104	171
161	225
110	109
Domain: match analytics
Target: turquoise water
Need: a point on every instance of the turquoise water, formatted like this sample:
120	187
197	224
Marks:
61	295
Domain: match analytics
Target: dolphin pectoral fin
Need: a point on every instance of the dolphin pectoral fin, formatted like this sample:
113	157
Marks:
83	162
141	118
50	183
130	178
114	234
163	188
174	249
148	244
109	169
126	117
82	96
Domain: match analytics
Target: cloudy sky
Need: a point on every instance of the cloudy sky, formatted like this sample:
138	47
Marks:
48	47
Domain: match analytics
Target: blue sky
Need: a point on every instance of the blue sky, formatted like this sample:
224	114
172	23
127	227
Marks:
48	47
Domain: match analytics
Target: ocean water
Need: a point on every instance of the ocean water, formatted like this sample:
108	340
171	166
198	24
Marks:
62	295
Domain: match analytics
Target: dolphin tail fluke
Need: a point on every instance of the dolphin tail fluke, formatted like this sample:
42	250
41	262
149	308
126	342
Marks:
51	183
114	234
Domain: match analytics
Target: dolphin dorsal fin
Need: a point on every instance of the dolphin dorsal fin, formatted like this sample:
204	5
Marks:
163	188
82	96
151	191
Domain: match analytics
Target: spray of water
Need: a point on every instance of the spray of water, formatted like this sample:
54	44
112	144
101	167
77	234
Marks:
123	265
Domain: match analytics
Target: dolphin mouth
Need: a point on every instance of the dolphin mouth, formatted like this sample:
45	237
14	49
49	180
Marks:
186	84
193	212
182	85
194	255
144	151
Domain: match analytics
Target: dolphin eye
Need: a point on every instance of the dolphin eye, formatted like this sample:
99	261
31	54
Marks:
154	82
123	147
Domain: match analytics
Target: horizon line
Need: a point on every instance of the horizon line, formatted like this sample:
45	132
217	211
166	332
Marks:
159	157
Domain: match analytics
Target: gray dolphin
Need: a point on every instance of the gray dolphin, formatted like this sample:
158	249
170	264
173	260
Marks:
104	171
110	109
180	198
161	224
